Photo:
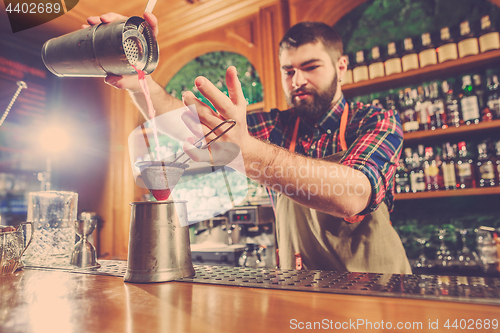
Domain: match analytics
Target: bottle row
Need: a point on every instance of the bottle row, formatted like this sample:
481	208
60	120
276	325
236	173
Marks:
453	102
412	54
435	105
453	168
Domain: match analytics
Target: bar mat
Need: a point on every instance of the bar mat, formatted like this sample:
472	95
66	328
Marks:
108	267
431	287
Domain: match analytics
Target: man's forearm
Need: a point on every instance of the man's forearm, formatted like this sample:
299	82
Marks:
162	101
325	186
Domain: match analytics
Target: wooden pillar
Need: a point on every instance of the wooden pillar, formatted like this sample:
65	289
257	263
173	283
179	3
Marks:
119	186
273	25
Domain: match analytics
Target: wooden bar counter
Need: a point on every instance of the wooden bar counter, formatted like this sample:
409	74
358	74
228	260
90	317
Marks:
57	301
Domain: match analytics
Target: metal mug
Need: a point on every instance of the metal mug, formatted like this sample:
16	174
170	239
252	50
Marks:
159	248
99	50
12	246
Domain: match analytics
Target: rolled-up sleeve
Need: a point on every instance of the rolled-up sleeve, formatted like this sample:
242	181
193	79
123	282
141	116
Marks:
375	152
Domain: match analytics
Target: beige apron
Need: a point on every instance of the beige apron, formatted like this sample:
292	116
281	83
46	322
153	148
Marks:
326	242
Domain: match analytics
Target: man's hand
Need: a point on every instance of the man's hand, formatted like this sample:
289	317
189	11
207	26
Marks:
232	107
128	82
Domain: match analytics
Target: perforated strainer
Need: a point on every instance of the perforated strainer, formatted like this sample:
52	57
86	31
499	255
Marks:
131	48
160	177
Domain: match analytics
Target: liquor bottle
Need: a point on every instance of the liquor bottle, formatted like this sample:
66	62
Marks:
377	103
464	168
410	58
486	115
467	44
438	113
401	107
376	67
392	63
390	103
427	55
485	167
411	121
431	170
402	179
469	102
448	167
489	38
493	96
451	106
348	74
417	179
447	48
497	162
360	69
479	91
421	108
421	153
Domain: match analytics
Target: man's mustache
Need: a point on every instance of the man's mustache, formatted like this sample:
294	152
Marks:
303	91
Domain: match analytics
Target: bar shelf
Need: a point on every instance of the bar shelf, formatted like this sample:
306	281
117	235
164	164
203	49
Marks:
432	72
449	193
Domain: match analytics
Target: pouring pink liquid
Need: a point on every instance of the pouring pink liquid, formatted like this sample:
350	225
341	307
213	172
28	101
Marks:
151	110
160	195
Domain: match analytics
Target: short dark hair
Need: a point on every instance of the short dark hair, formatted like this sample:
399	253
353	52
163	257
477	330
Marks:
313	32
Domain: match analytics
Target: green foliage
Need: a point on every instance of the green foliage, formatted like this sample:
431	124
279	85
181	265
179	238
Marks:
213	66
379	22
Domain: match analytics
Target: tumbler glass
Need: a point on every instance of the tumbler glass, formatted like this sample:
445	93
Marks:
53	214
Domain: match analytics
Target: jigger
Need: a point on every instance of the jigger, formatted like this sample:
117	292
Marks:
84	254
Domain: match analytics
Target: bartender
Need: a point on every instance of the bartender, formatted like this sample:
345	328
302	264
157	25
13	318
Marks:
332	166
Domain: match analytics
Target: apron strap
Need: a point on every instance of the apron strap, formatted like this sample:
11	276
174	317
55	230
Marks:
294	136
343	126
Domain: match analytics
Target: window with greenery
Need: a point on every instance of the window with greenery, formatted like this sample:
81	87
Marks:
213	66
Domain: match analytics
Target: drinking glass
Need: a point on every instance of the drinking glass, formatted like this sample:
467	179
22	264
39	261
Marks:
443	255
53	214
423	238
466	257
487	250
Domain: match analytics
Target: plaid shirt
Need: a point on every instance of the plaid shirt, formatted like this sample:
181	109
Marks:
374	138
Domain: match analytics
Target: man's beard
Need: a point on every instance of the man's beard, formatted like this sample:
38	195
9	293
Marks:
320	104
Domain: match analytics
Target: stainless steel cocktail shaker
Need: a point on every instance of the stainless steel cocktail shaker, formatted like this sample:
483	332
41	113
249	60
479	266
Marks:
103	49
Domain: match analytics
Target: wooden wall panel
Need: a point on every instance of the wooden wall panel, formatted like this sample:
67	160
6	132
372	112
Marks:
327	11
273	23
239	37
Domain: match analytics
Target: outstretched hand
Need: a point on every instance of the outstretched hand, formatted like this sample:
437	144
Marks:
228	107
129	82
